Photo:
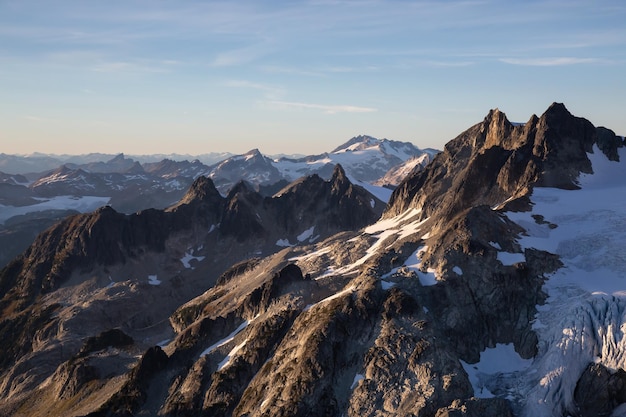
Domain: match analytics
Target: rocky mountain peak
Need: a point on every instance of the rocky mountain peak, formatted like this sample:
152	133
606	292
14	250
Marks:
558	111
362	140
497	127
203	190
339	175
117	158
135	168
239	188
495	161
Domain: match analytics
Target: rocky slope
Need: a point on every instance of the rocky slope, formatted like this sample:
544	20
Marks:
459	301
94	273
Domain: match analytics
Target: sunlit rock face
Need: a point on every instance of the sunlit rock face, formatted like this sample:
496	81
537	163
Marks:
492	285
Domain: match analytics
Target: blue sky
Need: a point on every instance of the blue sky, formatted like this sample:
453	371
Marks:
195	77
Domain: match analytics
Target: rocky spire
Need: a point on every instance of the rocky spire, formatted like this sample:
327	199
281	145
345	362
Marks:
202	189
339	180
495	161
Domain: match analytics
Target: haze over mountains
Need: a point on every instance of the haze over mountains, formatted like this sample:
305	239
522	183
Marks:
32	201
490	284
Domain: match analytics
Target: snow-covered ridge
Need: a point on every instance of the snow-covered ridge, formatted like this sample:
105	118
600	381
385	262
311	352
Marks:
364	158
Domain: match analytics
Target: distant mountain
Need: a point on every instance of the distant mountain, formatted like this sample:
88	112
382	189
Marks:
85	182
13	179
364	158
252	167
40	162
119	164
168	168
398	173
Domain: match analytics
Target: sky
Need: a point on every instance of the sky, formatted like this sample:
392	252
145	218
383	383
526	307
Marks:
194	77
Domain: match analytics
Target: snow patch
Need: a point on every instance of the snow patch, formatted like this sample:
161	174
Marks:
228	338
188	258
392	222
348	290
306	234
111	282
355	382
508	258
386	285
163	343
226	361
381	193
457	270
414	263
496	371
152	280
496	245
284	243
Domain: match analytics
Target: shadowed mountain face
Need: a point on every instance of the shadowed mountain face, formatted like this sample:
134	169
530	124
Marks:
303	304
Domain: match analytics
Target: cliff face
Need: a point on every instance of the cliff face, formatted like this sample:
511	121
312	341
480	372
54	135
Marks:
391	319
495	161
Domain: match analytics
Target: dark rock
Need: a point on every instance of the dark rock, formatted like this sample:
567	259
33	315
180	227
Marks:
133	393
108	338
240	219
609	143
599	391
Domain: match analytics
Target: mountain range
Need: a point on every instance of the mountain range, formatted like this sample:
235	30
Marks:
490	284
29	203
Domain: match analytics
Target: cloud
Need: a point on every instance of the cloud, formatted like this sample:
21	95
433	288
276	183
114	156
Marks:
129	67
548	62
271	92
240	56
39	119
328	109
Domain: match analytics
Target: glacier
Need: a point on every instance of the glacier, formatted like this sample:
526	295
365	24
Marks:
584	318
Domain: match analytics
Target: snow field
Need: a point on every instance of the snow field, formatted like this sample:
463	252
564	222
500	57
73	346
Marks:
83	204
584	318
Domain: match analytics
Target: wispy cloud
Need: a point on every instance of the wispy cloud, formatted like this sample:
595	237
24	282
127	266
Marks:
270	91
39	119
128	67
328	109
319	71
240	56
549	62
98	61
277	69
